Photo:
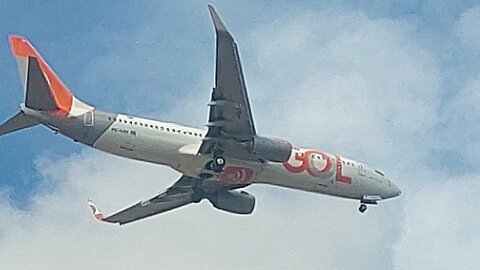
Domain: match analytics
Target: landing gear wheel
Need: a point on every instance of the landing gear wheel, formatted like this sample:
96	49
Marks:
219	161
362	208
216	164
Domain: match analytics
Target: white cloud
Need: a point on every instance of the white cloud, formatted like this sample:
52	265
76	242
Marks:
336	80
463	117
350	83
441	229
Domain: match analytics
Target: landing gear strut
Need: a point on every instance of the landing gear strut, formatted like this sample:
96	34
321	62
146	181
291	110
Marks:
362	208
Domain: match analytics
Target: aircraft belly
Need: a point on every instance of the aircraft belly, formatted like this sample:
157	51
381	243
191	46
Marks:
146	145
235	171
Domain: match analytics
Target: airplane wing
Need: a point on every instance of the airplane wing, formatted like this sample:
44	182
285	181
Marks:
230	117
230	125
179	194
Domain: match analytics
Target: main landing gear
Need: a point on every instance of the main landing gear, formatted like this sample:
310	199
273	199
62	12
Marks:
217	163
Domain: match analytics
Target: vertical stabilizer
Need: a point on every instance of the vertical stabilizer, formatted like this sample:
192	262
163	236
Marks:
44	90
38	95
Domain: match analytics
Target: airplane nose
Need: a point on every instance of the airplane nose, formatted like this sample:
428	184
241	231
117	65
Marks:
393	190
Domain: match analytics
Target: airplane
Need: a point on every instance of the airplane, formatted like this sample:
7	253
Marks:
215	163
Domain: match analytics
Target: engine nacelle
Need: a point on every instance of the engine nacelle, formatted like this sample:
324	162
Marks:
237	202
272	149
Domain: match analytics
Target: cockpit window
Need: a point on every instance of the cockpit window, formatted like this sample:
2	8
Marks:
380	173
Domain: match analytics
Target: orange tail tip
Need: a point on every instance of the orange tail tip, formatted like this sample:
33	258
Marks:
23	50
96	212
21	47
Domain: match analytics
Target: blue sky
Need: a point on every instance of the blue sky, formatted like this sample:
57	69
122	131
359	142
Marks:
392	83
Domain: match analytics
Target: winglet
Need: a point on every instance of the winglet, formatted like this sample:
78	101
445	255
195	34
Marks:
96	212
217	22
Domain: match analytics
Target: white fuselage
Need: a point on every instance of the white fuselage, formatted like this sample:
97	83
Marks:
309	170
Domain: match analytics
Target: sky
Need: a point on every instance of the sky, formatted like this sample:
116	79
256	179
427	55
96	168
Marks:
394	84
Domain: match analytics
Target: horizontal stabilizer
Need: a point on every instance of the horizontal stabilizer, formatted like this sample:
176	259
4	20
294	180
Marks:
18	122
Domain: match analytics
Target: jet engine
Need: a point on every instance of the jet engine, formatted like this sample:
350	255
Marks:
271	149
237	202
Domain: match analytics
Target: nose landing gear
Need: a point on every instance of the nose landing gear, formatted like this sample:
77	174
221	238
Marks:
367	200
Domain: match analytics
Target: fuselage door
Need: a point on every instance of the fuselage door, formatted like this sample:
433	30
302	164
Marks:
89	119
361	169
